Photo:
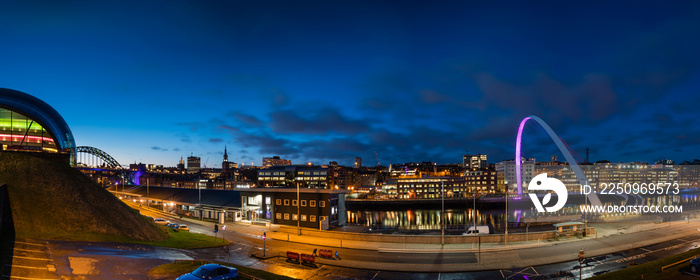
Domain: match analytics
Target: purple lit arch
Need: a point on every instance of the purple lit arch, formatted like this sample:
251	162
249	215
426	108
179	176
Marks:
582	179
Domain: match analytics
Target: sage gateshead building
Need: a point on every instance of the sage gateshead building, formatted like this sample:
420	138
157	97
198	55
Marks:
30	125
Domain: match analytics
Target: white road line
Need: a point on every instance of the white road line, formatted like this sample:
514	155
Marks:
38	259
645	249
28	267
20	242
28	278
375	275
26	250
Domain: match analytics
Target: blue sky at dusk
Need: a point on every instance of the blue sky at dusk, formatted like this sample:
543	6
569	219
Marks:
320	81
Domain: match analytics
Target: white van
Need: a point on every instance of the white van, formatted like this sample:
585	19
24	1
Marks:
480	230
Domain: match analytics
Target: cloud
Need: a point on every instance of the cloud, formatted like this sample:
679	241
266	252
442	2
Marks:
215	140
247	119
322	121
156	148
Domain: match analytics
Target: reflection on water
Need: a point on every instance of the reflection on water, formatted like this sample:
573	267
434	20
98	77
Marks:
426	219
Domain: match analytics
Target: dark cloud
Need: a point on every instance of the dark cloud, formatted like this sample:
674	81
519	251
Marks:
215	140
156	148
323	121
248	120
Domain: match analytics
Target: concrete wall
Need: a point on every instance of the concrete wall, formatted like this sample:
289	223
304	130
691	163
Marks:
434	239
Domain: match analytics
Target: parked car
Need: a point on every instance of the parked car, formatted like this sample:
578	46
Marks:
172	225
183	227
695	265
161	221
211	271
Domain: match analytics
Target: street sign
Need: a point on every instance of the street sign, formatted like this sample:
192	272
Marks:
223	227
216	228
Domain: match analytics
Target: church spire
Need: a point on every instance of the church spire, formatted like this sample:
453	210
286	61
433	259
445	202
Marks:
225	154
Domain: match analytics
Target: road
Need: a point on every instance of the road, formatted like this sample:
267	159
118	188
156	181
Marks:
246	244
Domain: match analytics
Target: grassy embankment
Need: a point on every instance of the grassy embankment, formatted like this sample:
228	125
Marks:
51	200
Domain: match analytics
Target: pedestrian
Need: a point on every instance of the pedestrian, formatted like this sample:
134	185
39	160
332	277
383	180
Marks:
336	255
314	252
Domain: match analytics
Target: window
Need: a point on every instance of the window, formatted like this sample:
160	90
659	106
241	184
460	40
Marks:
286	216
312	203
303	218
313	218
286	202
294	202
278	216
295	217
321	204
303	203
267	200
278	202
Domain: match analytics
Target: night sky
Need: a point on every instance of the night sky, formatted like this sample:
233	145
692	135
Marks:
320	81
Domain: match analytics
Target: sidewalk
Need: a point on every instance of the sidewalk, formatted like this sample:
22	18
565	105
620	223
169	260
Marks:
491	255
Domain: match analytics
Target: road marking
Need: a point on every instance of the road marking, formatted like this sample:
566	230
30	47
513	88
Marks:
38	259
28	278
20	242
28	267
27	250
645	249
375	275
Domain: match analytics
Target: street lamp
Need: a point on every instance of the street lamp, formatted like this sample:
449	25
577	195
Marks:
442	214
298	210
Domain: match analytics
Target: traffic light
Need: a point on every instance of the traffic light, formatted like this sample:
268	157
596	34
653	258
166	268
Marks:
264	235
216	228
580	256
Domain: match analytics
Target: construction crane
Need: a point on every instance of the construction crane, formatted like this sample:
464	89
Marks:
376	156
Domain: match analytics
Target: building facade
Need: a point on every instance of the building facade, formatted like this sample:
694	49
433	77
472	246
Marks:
29	124
268	162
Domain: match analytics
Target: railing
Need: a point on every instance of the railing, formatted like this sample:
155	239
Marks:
203	262
678	262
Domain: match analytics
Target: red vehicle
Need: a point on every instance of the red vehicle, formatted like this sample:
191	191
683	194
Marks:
293	256
325	254
308	258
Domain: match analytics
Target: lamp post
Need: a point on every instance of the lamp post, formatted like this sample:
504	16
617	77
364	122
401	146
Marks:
148	194
298	211
506	236
442	214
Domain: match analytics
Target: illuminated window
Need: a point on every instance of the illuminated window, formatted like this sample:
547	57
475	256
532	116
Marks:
312	203
278	216
295	217
313	218
303	203
286	216
286	202
321	204
278	202
303	218
294	202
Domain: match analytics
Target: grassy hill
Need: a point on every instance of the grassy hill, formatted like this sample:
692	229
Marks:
51	200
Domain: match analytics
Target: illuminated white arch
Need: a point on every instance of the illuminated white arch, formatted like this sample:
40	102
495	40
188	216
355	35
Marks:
582	179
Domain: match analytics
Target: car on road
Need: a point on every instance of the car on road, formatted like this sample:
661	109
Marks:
182	227
695	265
172	225
161	221
211	271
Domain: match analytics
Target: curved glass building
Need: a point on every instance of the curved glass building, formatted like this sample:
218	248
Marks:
29	124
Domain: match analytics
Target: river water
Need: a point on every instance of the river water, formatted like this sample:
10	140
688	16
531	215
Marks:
428	218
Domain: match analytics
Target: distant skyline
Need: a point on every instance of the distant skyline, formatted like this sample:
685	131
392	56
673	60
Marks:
315	81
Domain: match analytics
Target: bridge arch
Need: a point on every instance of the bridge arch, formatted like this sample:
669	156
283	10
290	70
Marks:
582	179
108	160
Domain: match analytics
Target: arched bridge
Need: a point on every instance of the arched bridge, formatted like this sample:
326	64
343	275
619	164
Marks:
94	157
592	197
